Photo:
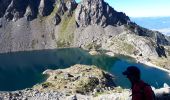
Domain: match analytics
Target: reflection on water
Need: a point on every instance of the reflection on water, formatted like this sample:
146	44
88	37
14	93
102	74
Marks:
21	70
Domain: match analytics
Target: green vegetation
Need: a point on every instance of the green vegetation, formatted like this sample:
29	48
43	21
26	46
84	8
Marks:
127	47
46	85
63	43
91	46
33	43
86	85
67	28
98	93
55	10
122	45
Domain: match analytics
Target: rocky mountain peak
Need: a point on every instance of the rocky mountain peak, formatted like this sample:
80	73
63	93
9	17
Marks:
90	12
15	9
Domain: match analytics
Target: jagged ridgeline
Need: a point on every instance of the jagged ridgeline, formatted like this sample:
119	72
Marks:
91	24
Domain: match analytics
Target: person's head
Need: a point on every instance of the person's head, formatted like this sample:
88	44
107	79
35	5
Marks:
132	73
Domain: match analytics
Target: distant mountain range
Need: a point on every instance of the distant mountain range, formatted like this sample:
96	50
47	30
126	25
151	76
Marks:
161	24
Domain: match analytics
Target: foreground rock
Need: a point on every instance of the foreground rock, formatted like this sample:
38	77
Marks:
81	79
30	94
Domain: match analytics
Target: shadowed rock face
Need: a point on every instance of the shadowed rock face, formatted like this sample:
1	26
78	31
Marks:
15	9
3	6
18	8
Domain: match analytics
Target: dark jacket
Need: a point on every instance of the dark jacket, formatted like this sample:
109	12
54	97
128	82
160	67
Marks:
142	91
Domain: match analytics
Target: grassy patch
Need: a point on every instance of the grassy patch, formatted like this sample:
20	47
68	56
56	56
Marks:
86	85
46	85
66	33
55	10
98	93
122	46
63	43
91	46
33	43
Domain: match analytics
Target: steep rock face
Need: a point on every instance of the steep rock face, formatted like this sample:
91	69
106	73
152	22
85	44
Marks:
3	6
20	8
34	25
45	7
90	12
16	9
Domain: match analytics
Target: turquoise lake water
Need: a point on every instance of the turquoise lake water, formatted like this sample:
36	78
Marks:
22	70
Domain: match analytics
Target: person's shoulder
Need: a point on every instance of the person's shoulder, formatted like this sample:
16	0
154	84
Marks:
144	83
145	86
148	89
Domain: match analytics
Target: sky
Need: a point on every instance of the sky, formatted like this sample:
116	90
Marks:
141	8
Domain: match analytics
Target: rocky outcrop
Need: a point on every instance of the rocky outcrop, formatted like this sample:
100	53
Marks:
91	12
81	79
69	6
45	7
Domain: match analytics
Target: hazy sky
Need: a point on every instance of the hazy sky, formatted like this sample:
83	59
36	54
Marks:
141	8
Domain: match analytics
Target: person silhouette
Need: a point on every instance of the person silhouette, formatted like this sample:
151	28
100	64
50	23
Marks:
140	89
